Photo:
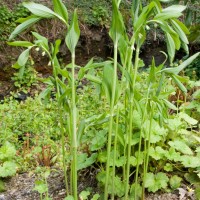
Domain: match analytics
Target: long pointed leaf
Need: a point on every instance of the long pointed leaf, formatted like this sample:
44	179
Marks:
26	24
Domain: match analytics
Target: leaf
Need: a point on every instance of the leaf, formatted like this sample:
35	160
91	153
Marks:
175	182
69	197
170	47
20	44
188	119
173	155
95	197
2	186
8	169
7	151
61	10
168	167
169	104
23	58
84	195
180	32
99	140
167	15
41	41
40	186
84	161
190	162
174	8
26	24
178	83
73	34
181	146
184	64
39	10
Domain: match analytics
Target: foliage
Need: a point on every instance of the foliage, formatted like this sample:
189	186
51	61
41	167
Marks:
141	136
8	19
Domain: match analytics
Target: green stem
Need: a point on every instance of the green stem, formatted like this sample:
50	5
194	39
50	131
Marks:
140	143
115	153
111	122
74	133
63	152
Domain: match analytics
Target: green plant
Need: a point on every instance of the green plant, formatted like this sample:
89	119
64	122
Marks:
25	78
140	134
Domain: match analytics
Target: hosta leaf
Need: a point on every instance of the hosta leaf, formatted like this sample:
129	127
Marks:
8	169
181	146
73	34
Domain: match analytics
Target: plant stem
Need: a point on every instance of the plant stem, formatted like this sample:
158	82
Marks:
111	122
74	135
115	152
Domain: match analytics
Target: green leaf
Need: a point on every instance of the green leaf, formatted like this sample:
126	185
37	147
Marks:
178	83
41	41
169	104
167	15
170	47
180	32
39	10
168	167
188	119
23	58
156	182
173	155
174	8
40	186
61	10
184	64
26	24
69	197
84	161
73	34
190	161
175	182
181	146
99	140
95	197
20	44
117	26
84	195
8	169
7	151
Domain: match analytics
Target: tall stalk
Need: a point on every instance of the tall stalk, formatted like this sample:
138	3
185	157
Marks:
111	121
74	133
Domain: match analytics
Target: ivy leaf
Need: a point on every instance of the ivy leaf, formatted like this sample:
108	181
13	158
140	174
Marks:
175	182
181	146
8	169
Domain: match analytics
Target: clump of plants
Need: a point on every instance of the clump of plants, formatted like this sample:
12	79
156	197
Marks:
133	136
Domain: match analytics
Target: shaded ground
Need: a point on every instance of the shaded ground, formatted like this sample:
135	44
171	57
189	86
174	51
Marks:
21	188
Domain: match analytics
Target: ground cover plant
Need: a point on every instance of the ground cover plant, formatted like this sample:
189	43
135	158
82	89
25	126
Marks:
132	132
